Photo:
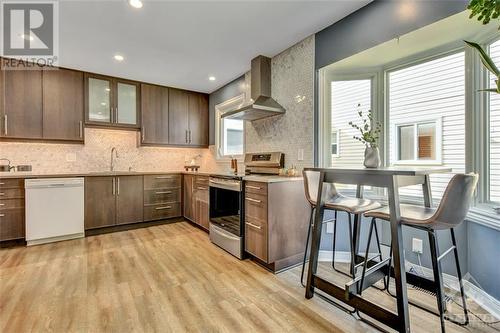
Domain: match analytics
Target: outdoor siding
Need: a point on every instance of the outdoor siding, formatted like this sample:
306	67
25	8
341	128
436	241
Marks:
427	91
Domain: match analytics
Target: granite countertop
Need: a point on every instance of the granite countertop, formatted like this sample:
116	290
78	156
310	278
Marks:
82	174
255	178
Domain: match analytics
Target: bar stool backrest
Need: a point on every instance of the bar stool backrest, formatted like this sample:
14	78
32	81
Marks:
456	200
311	184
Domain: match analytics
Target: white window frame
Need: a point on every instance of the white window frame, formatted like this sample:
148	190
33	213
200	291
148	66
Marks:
220	109
439	142
325	112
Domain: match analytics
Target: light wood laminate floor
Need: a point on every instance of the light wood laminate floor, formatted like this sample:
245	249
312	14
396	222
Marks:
166	278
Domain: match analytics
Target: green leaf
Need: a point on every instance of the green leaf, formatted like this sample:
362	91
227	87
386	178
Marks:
485	58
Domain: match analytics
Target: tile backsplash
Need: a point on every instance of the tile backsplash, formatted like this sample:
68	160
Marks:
95	154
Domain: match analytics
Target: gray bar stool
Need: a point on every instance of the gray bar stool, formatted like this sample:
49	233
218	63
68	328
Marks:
334	202
451	212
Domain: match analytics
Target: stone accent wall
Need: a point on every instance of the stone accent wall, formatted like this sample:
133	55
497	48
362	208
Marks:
292	87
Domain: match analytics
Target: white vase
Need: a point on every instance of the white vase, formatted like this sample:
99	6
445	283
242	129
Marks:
372	157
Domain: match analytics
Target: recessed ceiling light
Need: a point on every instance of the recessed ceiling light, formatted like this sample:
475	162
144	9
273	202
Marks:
119	57
135	3
211	78
27	37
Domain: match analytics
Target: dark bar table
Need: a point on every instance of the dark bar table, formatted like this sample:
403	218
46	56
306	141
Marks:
391	178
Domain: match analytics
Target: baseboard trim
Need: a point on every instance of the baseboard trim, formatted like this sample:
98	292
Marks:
478	295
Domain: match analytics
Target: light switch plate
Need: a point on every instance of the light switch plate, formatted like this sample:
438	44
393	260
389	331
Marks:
329	228
417	245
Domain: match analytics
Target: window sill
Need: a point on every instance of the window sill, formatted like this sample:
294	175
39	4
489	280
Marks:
418	163
484	215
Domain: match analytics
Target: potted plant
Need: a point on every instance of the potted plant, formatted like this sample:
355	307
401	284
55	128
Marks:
369	136
486	9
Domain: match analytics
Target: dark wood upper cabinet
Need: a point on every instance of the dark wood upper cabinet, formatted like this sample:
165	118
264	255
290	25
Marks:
178	117
188	118
63	105
22	104
154	113
129	199
111	102
198	119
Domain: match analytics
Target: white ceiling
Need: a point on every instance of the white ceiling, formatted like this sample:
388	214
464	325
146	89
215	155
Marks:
182	43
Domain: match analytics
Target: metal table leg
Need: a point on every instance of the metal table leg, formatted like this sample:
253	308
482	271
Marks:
398	256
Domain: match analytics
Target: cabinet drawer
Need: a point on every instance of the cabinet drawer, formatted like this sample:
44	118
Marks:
256	207
11	193
11	224
256	187
11	203
162	211
162	196
161	181
11	183
256	239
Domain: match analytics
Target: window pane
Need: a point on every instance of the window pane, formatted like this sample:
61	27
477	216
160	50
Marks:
431	90
346	95
406	137
495	130
99	97
127	103
427	141
232	136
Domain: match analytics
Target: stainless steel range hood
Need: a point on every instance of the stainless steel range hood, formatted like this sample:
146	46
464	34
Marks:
261	105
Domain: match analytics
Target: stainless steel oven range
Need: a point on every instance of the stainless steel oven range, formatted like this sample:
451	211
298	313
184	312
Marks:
227	197
226	213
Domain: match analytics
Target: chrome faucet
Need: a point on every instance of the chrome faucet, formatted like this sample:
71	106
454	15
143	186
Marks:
112	167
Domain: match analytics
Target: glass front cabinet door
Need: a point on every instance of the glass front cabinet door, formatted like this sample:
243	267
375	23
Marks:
111	102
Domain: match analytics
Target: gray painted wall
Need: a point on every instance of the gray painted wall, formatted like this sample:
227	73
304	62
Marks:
484	257
230	90
373	24
378	22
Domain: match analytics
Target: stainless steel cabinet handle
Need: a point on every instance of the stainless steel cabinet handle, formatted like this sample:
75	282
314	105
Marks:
164	177
2	215
163	192
81	128
254	187
2	204
2	193
202	188
143	133
114	186
117	186
187	136
165	207
5	124
253	225
2	183
253	200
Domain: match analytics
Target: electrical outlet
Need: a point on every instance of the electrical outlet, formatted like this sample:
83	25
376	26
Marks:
417	245
300	154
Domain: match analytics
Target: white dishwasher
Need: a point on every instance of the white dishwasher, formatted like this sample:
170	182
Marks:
54	209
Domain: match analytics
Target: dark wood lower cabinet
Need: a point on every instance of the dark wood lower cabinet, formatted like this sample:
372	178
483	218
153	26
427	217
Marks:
188	197
196	200
12	217
276	224
120	200
100	202
129	199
